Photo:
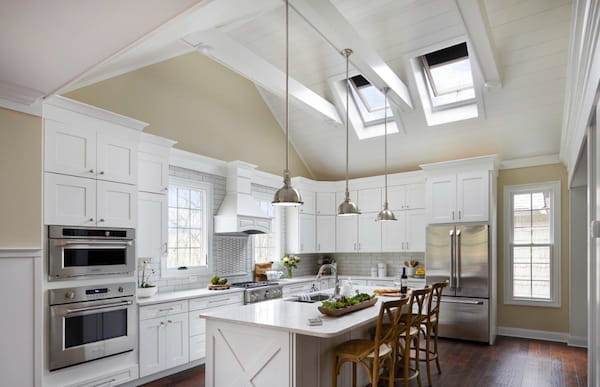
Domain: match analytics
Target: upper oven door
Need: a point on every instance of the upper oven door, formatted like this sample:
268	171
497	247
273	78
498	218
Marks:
87	257
89	330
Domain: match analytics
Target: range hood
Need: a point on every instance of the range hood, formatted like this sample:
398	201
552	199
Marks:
240	213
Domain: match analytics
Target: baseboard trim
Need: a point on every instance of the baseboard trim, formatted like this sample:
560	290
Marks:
577	341
561	337
163	374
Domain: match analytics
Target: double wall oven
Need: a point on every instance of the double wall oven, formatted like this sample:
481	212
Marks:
79	252
91	322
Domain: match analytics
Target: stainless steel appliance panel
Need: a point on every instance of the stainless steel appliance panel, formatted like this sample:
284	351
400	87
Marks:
472	261
439	252
464	318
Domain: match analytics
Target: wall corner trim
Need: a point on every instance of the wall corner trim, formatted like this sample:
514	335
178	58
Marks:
560	337
577	341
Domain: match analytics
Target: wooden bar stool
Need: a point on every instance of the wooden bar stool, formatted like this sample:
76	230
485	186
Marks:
429	328
372	354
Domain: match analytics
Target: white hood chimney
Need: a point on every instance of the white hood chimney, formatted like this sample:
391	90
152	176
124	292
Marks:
239	213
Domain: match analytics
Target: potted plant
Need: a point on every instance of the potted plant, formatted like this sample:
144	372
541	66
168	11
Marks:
145	289
290	262
410	267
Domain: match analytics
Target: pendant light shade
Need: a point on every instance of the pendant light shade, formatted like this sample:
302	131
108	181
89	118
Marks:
347	207
385	214
287	196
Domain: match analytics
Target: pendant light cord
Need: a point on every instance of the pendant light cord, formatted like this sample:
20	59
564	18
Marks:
287	84
347	53
385	147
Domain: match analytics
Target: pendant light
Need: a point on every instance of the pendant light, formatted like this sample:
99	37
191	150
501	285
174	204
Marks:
347	207
287	195
385	214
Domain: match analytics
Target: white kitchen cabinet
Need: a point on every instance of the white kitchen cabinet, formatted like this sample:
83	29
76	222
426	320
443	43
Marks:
397	197
370	200
473	196
346	233
415	230
381	283
309	205
177	340
300	234
441	199
369	233
462	197
69	200
164	343
116	159
405	234
297	288
415	196
326	204
393	234
325	233
116	204
152	231
153	172
69	150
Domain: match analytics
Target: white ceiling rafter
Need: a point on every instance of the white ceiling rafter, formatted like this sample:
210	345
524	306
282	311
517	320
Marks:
231	54
327	20
476	23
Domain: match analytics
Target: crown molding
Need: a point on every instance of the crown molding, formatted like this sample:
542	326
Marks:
20	98
530	161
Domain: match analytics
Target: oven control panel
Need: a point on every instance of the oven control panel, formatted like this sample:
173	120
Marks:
90	293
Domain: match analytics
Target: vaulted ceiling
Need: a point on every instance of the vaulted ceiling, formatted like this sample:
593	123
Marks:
522	118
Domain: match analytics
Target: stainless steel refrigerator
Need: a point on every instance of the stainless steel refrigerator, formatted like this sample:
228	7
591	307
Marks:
460	254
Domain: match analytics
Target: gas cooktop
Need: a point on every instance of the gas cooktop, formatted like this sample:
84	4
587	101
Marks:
253	284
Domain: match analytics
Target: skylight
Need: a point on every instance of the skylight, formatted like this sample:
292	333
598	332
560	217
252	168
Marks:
369	100
448	76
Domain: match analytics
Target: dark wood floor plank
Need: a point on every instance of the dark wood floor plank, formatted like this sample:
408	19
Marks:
510	363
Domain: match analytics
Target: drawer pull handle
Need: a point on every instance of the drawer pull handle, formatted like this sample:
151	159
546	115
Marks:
170	322
215	301
105	383
165	309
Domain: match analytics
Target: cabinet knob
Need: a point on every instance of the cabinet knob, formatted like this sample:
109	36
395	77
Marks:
101	220
91	219
166	189
102	172
169	321
91	171
162	323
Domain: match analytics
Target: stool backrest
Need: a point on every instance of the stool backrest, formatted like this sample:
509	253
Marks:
435	299
390	313
417	297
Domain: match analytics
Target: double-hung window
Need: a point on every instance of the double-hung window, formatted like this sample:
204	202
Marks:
532	244
189	228
266	246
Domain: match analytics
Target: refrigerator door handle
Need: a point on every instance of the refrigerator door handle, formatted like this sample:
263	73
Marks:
458	259
452	259
459	301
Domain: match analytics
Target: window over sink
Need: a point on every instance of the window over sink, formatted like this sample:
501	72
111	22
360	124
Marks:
266	247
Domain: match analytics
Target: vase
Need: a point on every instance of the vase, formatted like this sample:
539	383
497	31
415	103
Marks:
410	271
146	292
289	272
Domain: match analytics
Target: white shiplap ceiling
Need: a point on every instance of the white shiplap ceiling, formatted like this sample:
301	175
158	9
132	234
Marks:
521	119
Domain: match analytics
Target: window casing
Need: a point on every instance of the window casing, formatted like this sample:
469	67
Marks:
532	244
369	101
267	246
190	215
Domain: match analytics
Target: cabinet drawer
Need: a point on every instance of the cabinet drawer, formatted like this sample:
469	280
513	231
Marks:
197	347
197	324
113	379
359	282
291	290
382	283
166	309
216	301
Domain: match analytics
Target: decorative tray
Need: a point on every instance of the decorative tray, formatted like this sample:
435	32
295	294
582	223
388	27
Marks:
348	309
218	287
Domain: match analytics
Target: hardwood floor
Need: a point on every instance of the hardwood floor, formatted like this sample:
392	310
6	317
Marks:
511	362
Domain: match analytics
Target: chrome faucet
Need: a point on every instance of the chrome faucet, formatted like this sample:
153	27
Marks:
336	292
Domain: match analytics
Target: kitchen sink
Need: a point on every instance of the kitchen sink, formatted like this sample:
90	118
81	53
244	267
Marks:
312	299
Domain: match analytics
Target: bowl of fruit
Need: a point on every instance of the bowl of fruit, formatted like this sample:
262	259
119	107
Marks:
217	283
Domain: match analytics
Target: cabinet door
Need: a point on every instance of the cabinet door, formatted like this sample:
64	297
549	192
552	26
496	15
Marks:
117	159
177	340
397	197
152	342
393	234
369	200
69	200
309	202
326	204
441	199
415	230
117	204
306	228
153	173
68	150
326	233
346	234
415	196
473	196
152	226
369	233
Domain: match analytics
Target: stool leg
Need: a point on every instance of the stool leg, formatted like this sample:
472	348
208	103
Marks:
393	366
353	374
334	371
417	355
406	359
427	351
435	349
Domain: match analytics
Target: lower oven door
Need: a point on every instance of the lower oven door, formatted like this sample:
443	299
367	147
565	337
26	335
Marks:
83	257
85	331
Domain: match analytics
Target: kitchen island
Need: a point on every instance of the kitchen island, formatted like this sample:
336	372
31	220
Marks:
271	344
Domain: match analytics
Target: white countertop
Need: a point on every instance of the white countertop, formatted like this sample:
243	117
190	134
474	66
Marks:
184	295
307	278
292	316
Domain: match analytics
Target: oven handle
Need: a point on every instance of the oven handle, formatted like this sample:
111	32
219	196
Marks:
104	306
59	243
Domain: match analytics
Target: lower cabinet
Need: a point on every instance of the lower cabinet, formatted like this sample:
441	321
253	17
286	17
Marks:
164	343
297	288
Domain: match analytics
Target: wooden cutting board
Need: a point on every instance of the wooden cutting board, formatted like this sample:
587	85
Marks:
260	269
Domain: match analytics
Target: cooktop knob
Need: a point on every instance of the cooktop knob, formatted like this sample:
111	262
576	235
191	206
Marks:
120	289
70	295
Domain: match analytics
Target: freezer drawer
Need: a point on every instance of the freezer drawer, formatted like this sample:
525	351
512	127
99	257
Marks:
465	318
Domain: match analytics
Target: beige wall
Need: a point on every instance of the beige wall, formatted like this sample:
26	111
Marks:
526	317
20	180
206	107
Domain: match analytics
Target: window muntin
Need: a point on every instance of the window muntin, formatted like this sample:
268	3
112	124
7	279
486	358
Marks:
188	227
265	245
533	233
